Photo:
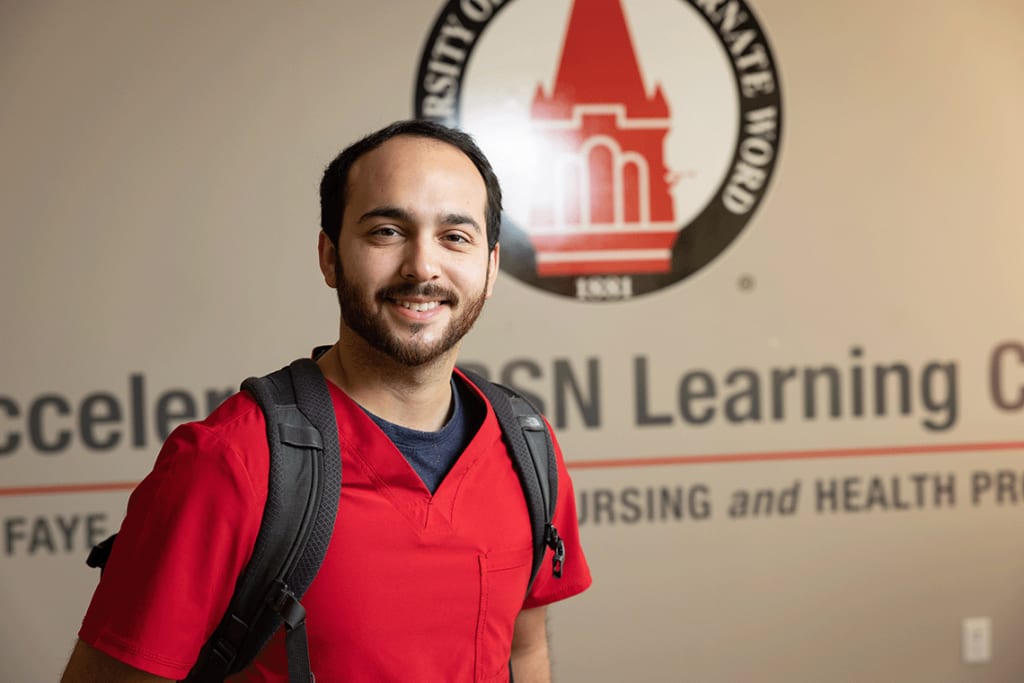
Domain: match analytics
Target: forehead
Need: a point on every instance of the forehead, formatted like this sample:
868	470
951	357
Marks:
414	165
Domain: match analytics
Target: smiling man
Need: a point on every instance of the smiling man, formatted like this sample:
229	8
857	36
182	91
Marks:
426	576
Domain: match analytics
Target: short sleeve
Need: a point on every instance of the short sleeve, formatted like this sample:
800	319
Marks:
575	572
189	530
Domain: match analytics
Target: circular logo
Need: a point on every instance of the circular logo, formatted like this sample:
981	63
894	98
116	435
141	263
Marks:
634	140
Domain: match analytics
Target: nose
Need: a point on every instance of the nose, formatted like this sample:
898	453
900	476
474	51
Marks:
420	263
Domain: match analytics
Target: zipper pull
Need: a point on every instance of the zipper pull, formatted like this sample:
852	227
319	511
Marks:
554	541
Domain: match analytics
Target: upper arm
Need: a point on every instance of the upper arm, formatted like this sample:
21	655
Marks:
530	662
89	665
188	531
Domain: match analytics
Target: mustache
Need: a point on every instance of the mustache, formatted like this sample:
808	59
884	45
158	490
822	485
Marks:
411	289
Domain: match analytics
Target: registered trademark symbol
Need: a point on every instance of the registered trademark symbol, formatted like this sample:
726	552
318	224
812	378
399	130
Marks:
746	283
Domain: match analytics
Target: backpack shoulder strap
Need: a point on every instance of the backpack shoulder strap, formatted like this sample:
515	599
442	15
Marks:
533	455
298	520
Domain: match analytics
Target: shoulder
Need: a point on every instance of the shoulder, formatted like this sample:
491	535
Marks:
238	413
230	445
490	393
234	424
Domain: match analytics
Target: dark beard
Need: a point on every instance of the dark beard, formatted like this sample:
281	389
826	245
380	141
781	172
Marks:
358	313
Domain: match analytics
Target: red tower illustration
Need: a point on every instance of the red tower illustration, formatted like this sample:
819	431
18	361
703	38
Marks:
602	202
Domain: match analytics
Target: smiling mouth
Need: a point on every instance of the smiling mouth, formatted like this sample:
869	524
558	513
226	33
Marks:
419	298
418	306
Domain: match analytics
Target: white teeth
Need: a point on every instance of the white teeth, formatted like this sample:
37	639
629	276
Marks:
418	306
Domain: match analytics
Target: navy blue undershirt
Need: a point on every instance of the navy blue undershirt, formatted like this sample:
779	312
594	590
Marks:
432	454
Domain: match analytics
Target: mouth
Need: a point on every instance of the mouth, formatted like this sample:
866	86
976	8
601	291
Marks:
421	302
418	306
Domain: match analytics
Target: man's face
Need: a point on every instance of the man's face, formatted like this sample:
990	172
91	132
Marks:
412	268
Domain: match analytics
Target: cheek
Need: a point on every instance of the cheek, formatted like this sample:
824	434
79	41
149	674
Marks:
357	270
470	279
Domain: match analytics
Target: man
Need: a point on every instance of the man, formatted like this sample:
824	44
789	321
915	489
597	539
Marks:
425	577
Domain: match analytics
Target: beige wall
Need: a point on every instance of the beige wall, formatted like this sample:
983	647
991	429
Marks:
158	173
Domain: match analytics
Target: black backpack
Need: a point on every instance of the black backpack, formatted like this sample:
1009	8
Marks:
302	498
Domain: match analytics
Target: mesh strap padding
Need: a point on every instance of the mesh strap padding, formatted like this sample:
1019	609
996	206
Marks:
304	483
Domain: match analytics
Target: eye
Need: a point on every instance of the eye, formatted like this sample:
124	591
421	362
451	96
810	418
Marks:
385	231
456	238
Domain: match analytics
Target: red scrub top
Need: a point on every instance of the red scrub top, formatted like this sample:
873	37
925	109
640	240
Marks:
414	586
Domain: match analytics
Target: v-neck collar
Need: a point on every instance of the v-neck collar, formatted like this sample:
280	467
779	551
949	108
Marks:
362	440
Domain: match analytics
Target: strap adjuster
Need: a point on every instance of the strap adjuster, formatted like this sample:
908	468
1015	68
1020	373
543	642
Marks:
225	650
288	606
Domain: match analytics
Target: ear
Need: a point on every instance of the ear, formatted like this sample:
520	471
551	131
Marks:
328	257
492	270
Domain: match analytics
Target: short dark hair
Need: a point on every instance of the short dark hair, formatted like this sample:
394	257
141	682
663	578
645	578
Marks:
334	184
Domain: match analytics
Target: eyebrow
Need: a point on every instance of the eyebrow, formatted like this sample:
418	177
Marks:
400	214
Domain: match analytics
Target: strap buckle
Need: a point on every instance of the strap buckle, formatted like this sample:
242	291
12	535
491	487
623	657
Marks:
100	553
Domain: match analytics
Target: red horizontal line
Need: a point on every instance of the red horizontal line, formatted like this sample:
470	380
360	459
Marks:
590	241
68	488
658	461
932	449
556	268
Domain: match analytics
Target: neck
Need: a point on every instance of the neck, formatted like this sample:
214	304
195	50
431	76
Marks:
415	397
